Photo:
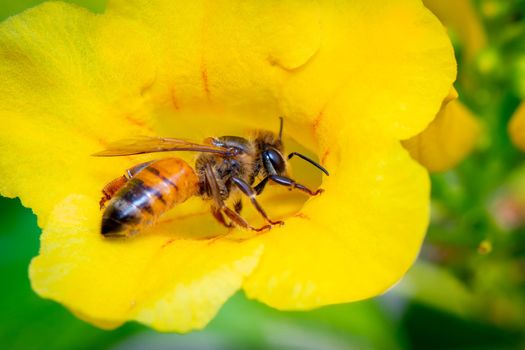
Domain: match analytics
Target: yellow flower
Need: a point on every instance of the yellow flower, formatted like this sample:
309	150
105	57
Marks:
517	127
352	78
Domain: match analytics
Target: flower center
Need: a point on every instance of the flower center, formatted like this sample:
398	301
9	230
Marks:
193	219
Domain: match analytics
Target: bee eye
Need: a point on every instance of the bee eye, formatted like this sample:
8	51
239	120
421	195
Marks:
276	159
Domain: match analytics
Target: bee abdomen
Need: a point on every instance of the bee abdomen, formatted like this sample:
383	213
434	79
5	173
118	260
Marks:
120	219
150	193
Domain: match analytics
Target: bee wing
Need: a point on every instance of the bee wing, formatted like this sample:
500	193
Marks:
146	144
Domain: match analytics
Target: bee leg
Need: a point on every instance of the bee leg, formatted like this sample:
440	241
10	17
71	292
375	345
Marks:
233	215
113	186
238	206
285	181
261	185
250	193
219	216
219	203
236	219
216	208
239	220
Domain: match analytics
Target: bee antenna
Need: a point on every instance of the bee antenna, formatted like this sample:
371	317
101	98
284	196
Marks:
317	165
281	128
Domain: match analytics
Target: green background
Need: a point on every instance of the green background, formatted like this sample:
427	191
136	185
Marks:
455	297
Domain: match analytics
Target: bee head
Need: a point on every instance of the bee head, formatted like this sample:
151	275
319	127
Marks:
272	153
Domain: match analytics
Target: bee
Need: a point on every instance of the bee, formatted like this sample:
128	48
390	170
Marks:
226	166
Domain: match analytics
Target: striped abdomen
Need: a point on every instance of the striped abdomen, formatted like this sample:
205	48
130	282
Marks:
150	193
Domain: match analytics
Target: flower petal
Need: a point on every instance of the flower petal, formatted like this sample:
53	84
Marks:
357	238
517	127
170	284
66	90
393	60
383	57
234	54
447	140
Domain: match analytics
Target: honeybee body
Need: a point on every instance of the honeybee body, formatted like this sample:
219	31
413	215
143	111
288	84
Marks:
152	191
226	166
212	169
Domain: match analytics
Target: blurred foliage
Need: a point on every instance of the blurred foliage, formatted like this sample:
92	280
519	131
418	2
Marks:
12	7
466	292
476	232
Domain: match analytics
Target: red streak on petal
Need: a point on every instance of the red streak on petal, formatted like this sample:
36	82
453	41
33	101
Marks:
317	120
174	100
212	239
167	243
137	122
302	216
325	155
205	83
